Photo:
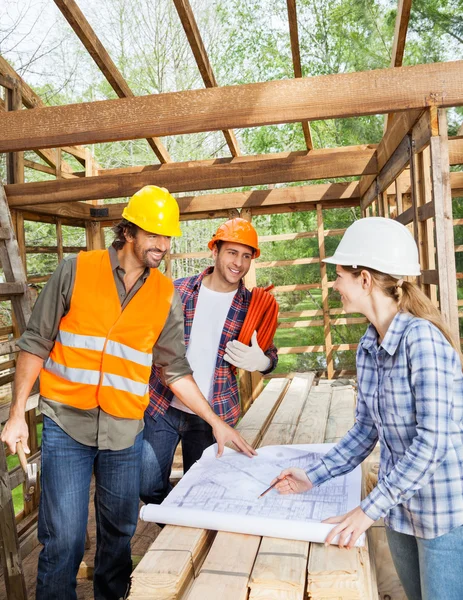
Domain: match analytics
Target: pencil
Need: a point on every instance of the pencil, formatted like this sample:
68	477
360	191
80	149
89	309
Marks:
271	487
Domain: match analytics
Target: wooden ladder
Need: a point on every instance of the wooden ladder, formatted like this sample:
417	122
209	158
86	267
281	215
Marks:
15	289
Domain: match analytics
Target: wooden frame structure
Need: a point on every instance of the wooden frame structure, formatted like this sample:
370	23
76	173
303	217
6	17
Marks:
406	176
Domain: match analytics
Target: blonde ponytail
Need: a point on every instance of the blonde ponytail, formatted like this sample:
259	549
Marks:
410	299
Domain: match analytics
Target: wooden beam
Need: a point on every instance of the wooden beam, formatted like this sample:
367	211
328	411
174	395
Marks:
294	36
250	105
208	204
202	175
97	51
193	35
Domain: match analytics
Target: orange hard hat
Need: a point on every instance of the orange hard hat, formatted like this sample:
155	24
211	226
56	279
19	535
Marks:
237	230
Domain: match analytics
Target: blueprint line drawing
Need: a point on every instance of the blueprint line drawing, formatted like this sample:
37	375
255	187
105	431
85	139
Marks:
224	494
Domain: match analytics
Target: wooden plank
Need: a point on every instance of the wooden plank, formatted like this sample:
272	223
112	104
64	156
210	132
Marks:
406	217
203	175
249	105
280	570
341	415
97	51
395	165
294	37
283	426
445	240
313	420
225	572
261	412
171	563
191	29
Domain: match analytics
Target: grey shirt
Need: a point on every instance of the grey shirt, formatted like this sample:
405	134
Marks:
95	427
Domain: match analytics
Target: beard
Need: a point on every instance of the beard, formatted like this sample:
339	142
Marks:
147	256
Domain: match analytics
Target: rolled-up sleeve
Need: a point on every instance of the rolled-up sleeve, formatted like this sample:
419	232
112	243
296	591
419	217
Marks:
51	305
169	352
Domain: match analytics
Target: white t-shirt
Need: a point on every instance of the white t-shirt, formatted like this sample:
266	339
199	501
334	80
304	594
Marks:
210	315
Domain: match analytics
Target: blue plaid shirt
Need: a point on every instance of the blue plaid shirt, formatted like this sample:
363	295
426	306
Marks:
410	398
225	400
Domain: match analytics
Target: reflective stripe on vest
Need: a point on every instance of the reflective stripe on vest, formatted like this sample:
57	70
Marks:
103	353
74	340
72	374
93	378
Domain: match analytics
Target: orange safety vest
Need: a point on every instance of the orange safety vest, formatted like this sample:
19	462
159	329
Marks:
102	354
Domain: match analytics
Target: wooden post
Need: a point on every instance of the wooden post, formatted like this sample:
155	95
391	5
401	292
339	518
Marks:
250	383
93	234
9	546
440	174
325	290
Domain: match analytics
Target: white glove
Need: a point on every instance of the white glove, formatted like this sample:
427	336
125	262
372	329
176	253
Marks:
249	358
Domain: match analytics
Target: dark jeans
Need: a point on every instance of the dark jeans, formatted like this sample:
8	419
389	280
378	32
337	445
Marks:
67	469
160	439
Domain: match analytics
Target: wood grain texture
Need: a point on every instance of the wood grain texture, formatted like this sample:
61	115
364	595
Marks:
250	105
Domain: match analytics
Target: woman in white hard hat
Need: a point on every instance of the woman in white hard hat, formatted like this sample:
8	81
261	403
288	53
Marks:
410	399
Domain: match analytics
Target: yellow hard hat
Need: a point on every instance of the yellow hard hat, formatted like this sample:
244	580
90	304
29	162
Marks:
153	209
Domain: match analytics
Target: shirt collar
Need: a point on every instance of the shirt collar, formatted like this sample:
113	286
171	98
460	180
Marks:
115	264
241	287
393	335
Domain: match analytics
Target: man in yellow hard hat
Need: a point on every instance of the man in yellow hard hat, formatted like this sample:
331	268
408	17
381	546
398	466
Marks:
101	321
215	303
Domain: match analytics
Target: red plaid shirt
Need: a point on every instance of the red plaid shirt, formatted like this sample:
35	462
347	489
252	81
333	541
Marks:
225	401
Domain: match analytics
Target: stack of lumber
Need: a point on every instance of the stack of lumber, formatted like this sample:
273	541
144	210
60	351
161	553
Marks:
193	564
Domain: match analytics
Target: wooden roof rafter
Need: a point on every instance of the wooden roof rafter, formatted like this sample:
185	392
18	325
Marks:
98	52
400	35
295	51
193	35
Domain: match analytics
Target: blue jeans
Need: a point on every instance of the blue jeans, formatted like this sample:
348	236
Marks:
429	569
66	475
161	436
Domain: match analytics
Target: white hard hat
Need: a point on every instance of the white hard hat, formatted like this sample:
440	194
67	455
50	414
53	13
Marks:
381	244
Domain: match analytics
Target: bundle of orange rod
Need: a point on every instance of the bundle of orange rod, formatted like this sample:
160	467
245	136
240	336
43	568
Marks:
262	316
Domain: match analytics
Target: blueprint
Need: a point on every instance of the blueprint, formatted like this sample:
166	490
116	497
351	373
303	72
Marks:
224	494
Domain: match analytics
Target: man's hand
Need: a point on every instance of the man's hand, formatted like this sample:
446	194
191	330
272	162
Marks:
249	358
292	481
350	528
14	431
223	433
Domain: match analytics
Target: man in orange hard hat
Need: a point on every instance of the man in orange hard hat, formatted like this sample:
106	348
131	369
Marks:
102	320
215	304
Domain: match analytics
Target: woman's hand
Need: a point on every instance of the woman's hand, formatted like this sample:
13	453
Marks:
292	481
352	524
